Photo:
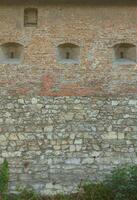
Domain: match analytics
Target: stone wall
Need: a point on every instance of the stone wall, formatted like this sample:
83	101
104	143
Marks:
54	143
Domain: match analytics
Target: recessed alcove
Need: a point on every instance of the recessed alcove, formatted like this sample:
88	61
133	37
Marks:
125	53
68	53
30	17
11	53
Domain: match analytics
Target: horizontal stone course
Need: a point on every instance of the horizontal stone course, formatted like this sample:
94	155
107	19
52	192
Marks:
52	143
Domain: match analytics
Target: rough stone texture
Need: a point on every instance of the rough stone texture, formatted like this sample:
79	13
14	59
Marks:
53	143
62	123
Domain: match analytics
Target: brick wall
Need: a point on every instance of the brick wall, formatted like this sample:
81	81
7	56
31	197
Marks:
95	29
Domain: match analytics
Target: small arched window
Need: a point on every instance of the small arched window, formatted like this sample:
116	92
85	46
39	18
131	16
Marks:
125	53
30	17
68	53
11	53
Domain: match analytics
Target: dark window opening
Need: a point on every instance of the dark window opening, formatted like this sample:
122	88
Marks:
125	53
68	53
121	55
11	53
30	17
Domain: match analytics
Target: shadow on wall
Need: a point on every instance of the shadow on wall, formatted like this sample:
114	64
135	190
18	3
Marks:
11	53
125	53
68	53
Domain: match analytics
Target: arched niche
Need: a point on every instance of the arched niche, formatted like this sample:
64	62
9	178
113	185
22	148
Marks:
30	17
125	53
68	53
11	53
